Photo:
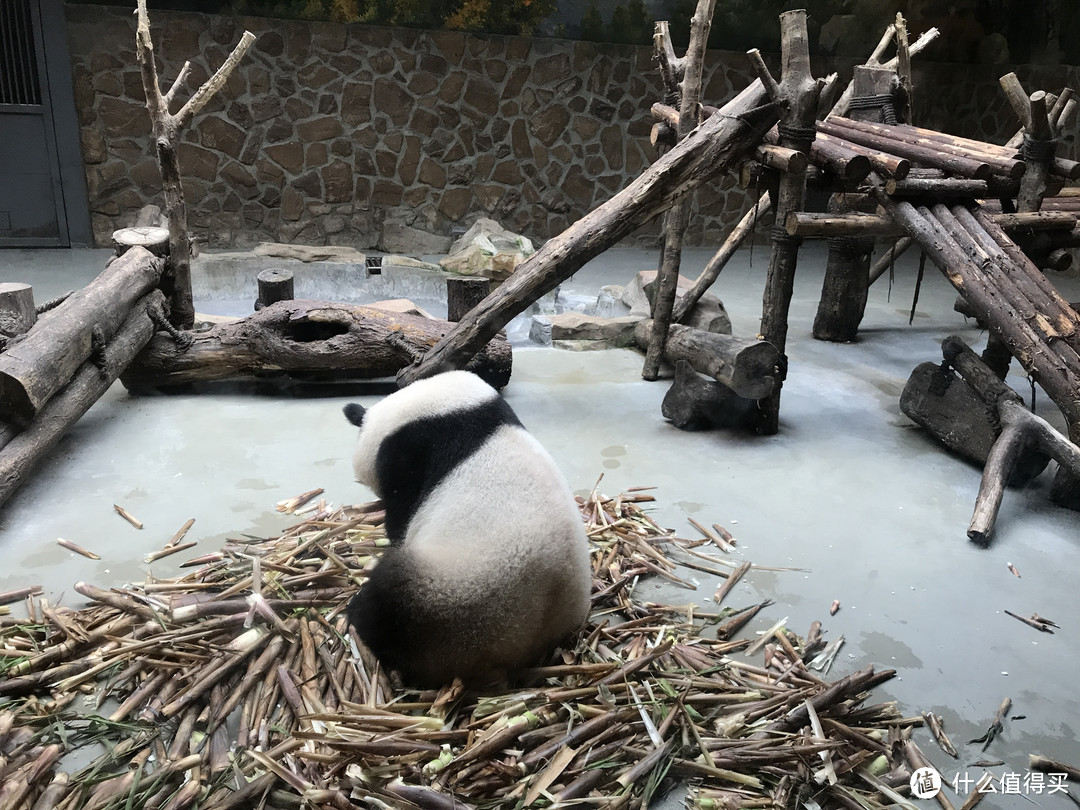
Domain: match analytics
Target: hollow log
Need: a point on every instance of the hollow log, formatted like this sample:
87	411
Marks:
22	452
696	403
710	149
312	339
747	366
43	362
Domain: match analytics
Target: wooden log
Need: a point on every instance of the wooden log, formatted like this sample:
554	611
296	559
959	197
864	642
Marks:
17	313
712	148
782	159
834	155
1002	161
953	412
938	188
43	362
312	339
745	365
886	260
695	403
151	238
1027	332
884	163
25	450
685	305
274	285
678	215
799	223
797	93
963	166
463	293
1020	428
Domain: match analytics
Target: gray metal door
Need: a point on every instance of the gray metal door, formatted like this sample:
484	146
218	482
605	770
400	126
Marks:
31	197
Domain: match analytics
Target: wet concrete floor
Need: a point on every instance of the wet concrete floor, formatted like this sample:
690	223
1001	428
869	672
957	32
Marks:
849	490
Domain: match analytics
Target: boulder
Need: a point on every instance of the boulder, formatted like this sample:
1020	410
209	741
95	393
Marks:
576	326
398	237
708	314
402	306
487	249
309	253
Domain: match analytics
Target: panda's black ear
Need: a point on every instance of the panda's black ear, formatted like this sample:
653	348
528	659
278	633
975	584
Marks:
354	412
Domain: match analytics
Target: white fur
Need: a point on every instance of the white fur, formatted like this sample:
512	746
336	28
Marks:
499	543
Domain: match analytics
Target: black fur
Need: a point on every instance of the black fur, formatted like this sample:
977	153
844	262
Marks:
412	461
354	412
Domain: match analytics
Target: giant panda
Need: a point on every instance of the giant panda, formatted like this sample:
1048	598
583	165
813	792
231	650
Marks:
488	568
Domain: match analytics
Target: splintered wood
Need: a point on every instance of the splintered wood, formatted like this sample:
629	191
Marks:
241	685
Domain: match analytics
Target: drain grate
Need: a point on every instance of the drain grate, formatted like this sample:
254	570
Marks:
373	265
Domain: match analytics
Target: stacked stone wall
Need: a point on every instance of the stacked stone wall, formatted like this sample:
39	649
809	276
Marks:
325	132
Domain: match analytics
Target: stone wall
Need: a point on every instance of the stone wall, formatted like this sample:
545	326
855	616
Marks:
350	134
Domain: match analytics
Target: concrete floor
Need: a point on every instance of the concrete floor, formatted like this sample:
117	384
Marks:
849	490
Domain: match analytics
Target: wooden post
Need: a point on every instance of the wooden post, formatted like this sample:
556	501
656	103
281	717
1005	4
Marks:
167	129
678	215
843	104
797	93
710	149
873	97
463	293
847	278
274	285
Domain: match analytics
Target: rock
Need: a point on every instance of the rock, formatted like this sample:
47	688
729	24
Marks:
576	326
397	237
487	249
403	306
150	216
397	260
708	314
309	253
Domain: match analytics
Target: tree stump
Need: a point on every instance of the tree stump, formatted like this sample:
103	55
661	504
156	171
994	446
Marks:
847	278
152	238
274	286
17	313
463	294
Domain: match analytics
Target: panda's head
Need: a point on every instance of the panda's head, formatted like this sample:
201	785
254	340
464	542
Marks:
429	398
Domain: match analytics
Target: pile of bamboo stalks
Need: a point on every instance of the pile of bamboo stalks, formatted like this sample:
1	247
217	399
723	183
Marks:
240	685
